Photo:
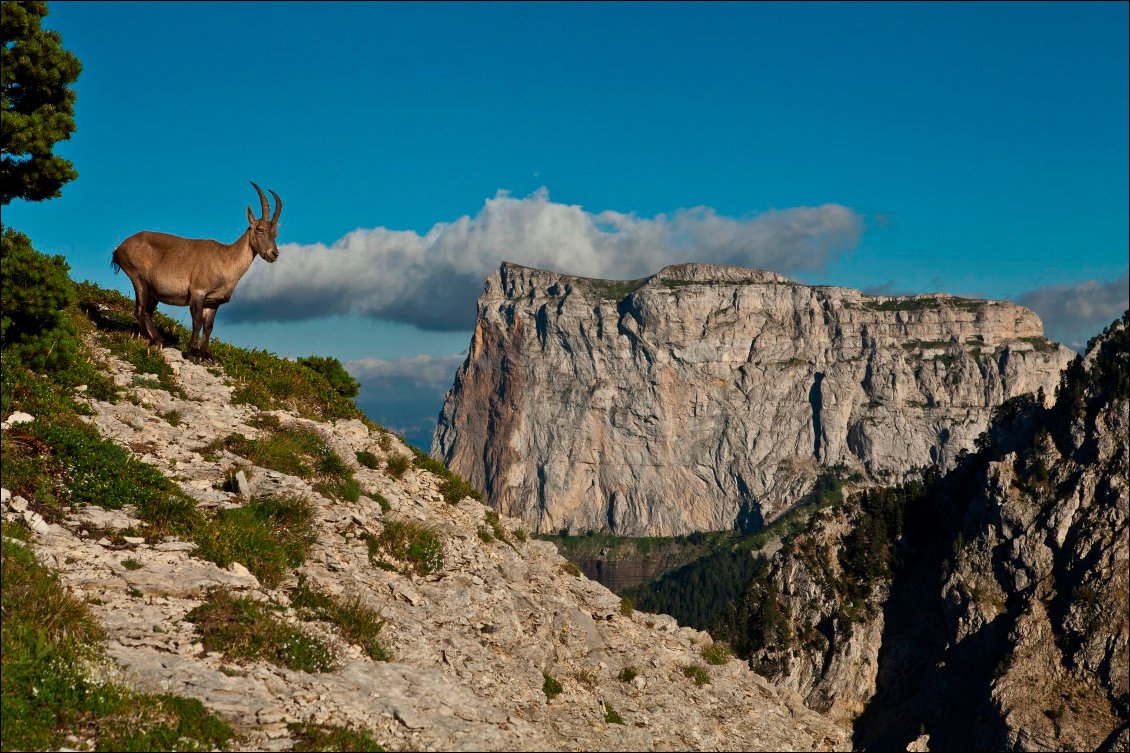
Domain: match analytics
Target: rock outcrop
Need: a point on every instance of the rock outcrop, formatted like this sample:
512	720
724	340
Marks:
705	397
470	643
988	607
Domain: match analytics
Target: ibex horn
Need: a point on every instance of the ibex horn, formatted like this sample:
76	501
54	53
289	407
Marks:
278	207
263	199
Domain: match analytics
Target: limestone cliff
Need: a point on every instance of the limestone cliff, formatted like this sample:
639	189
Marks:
988	607
705	397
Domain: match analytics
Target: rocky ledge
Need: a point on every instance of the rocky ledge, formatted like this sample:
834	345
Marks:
470	643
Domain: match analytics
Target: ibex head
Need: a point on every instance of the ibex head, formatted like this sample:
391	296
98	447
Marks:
264	231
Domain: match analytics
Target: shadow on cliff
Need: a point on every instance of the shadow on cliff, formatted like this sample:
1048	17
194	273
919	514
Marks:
925	683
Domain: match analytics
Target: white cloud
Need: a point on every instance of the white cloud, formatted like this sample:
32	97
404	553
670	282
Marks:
406	394
1073	314
421	371
432	280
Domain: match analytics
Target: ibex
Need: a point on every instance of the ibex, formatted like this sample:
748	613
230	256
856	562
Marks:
200	274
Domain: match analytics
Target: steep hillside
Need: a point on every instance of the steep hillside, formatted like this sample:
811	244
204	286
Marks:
986	608
706	397
298	571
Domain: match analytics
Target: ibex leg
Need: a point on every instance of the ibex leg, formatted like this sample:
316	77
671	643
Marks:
145	305
209	320
150	327
196	307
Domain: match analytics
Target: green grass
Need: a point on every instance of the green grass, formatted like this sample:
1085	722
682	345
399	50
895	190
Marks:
1040	344
611	716
924	303
381	501
330	737
454	488
717	653
296	451
551	687
52	684
246	630
627	674
698	673
627	606
269	536
396	465
263	379
358	623
59	461
367	460
417	545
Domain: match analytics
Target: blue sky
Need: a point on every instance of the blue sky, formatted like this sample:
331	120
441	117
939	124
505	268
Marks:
977	149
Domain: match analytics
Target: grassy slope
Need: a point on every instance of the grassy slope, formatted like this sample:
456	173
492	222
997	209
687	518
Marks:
55	686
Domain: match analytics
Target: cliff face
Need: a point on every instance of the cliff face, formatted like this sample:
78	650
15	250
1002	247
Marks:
705	396
989	606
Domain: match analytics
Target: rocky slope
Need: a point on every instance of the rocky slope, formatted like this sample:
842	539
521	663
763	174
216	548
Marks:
469	643
988	608
705	396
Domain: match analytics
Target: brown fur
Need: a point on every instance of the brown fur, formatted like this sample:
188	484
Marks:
200	274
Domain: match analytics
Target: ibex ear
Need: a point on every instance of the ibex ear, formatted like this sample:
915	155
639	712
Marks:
250	217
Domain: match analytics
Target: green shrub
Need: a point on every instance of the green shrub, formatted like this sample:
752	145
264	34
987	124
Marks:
551	687
396	465
381	501
485	535
367	459
330	737
454	488
611	716
35	292
697	672
296	451
717	653
335	374
358	623
411	542
270	383
627	606
269	536
247	630
627	674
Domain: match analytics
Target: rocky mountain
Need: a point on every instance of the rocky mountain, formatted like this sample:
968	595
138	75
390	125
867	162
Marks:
705	397
986	609
488	638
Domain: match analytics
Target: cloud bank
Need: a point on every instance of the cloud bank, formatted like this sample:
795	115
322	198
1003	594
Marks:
420	372
432	280
1073	314
406	394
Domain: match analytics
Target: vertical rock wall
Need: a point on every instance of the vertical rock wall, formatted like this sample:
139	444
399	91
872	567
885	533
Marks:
706	397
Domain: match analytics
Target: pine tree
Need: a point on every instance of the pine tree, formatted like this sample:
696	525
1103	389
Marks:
38	104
